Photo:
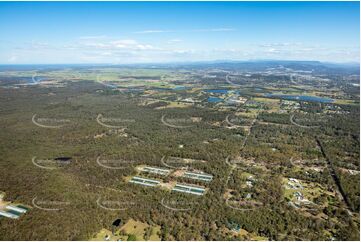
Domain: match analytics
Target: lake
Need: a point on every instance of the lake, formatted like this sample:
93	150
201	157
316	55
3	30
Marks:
222	91
303	98
214	99
180	88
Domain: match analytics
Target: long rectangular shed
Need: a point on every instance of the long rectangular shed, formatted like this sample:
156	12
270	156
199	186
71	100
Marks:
8	214
198	176
16	208
189	189
144	181
156	170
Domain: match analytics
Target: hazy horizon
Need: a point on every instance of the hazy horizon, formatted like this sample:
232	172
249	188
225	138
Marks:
186	62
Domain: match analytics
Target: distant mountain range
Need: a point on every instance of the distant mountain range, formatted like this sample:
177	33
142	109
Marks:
251	65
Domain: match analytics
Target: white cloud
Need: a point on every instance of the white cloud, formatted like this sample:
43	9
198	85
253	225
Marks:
274	45
128	50
124	44
92	37
214	30
152	31
273	50
171	41
13	59
95	45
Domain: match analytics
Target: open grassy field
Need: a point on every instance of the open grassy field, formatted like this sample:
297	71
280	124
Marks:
139	229
132	227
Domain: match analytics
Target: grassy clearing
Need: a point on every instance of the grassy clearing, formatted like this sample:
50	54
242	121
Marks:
138	229
176	105
105	232
266	100
251	113
311	190
245	175
346	102
155	235
132	227
245	235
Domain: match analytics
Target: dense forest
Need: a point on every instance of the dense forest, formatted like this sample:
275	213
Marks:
272	151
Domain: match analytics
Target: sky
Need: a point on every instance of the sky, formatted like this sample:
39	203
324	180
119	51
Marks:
159	32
